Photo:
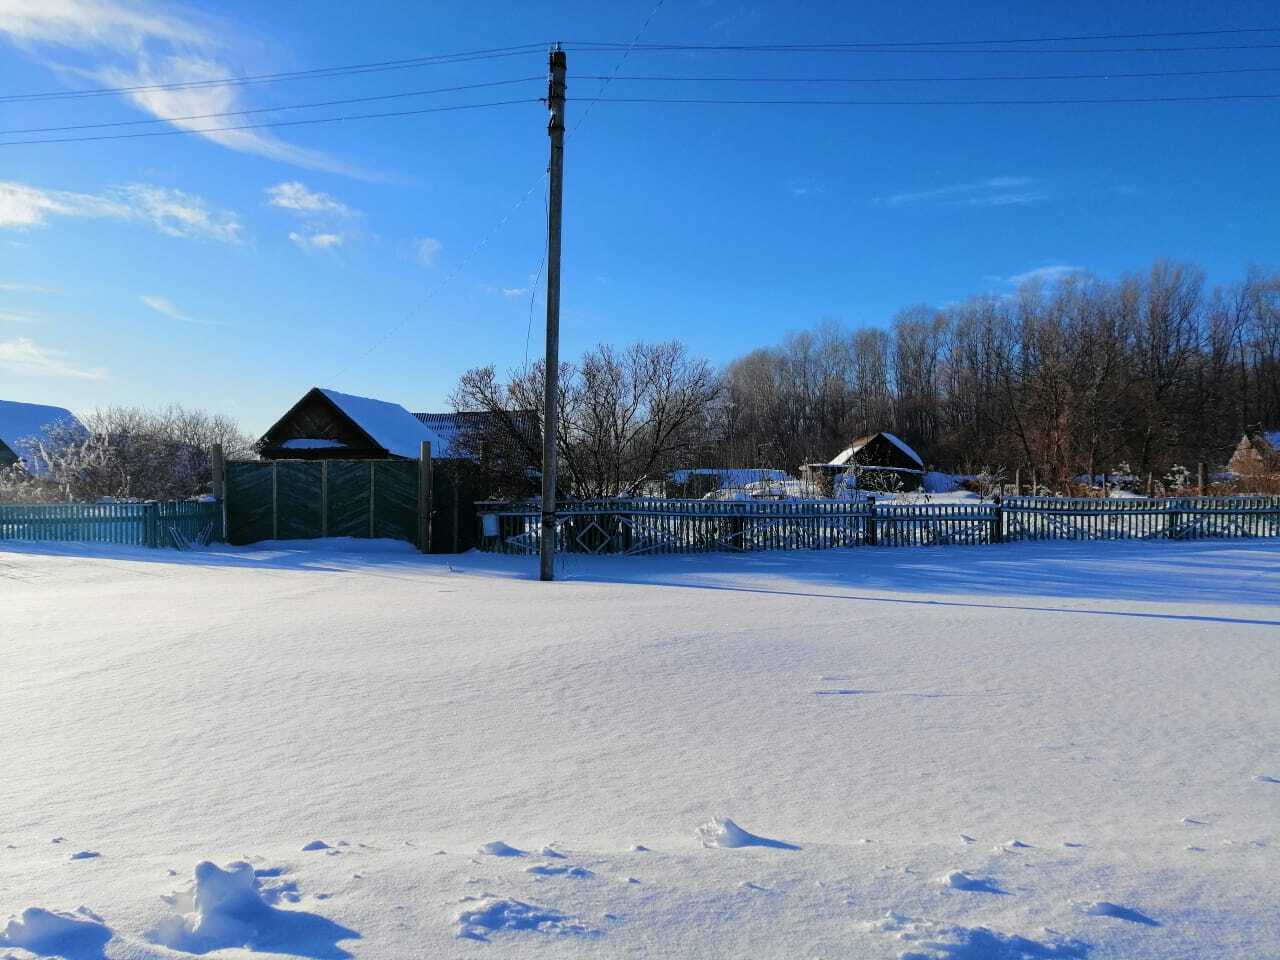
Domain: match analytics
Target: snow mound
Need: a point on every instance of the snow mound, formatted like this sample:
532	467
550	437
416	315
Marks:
53	933
315	845
928	940
231	911
959	880
559	870
495	915
1105	908
723	832
85	855
496	848
551	852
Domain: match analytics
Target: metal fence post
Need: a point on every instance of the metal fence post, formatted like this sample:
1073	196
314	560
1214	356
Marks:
1175	518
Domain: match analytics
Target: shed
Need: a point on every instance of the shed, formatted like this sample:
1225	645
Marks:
878	460
1257	454
329	425
24	425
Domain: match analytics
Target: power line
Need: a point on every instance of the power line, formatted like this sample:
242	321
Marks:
273	123
942	103
989	40
908	48
319	73
618	66
462	265
291	106
1156	74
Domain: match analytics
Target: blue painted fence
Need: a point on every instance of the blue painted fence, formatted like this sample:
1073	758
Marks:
174	523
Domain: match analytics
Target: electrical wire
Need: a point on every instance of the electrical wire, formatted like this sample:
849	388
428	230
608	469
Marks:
909	49
291	106
623	59
944	103
996	40
1143	75
320	73
273	123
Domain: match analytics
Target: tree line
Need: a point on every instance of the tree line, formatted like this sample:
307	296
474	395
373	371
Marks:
1081	376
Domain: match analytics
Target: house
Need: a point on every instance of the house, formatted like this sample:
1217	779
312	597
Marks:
878	461
1257	455
328	425
24	425
471	433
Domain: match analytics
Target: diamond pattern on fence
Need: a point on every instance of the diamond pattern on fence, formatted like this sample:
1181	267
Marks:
348	496
395	499
249	496
299	499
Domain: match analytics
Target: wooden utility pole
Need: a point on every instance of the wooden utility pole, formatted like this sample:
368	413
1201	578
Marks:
550	405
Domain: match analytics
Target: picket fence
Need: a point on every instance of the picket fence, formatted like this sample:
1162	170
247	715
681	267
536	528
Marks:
661	526
173	523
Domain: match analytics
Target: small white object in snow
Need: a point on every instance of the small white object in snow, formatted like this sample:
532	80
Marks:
315	845
959	880
723	832
53	933
496	848
494	915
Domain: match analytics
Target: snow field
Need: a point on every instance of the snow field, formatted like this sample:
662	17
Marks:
1068	750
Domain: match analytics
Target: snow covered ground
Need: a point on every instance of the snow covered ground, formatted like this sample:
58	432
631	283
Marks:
322	750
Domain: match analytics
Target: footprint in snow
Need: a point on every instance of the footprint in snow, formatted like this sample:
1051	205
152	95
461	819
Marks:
556	870
85	855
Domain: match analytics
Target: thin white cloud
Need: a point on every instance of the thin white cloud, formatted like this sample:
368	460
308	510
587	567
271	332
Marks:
165	307
24	355
136	46
167	210
9	316
991	192
316	241
296	196
8	287
426	249
513	292
804	187
100	23
1050	274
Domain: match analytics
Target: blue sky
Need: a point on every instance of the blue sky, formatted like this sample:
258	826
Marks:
232	271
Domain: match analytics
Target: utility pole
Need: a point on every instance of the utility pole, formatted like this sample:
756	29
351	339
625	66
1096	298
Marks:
551	396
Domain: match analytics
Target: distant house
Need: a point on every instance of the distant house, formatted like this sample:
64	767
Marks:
24	425
876	461
329	425
1257	454
469	434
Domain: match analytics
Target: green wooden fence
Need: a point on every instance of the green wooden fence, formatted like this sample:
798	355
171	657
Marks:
659	526
153	524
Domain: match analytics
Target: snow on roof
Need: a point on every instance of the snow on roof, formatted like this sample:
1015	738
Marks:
1272	437
311	443
845	455
446	426
390	425
23	423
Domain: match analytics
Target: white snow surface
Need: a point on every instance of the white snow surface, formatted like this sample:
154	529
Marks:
392	426
198	718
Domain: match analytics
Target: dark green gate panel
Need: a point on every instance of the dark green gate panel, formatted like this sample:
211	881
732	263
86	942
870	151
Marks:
349	498
298	499
455	487
395	499
248	499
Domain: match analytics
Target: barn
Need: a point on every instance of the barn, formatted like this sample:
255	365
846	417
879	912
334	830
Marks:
878	461
328	425
23	425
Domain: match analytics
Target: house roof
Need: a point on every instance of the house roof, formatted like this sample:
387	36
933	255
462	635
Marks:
845	455
389	425
22	423
449	426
